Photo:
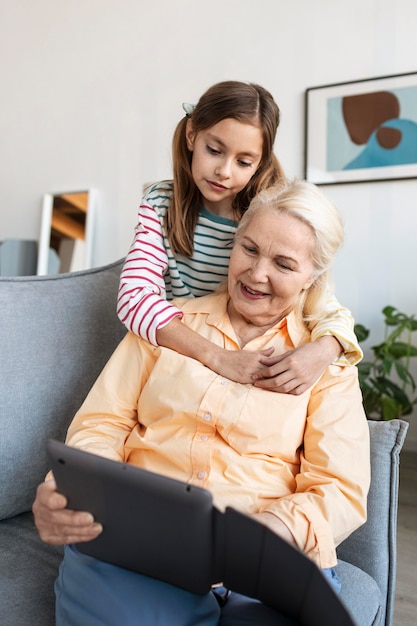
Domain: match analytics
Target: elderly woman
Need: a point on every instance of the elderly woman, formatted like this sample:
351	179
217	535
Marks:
298	464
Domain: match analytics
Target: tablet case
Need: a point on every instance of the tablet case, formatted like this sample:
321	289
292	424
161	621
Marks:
167	529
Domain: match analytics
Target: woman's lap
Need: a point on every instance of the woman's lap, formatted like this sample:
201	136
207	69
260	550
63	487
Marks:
126	598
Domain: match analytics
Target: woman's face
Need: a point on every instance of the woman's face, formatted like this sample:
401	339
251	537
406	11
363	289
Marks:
225	157
271	263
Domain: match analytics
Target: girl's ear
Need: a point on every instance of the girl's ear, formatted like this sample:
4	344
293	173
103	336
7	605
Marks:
190	135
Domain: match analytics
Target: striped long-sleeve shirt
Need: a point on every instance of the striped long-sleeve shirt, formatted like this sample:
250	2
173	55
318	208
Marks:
152	275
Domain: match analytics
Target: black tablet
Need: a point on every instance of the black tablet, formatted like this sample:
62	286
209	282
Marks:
152	524
170	530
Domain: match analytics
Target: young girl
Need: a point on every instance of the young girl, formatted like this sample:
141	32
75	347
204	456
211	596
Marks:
222	157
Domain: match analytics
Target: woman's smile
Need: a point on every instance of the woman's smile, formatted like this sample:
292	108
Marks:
252	294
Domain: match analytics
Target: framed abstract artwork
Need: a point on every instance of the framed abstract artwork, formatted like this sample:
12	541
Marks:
362	131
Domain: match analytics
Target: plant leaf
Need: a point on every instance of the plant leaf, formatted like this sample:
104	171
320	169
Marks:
390	409
393	390
404	374
382	397
392	316
400	349
361	332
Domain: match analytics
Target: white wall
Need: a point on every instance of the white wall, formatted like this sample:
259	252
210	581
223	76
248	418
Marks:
92	90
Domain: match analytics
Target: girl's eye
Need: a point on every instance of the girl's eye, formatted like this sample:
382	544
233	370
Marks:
245	163
212	150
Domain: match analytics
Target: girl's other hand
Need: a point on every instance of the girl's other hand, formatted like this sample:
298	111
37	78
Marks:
297	370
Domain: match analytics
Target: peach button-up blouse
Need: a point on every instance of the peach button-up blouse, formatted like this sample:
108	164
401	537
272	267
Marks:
303	458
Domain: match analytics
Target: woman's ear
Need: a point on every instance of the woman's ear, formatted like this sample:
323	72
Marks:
190	135
309	283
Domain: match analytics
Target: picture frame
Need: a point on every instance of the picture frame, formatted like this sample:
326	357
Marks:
361	131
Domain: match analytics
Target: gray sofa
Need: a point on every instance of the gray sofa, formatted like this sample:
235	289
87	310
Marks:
56	334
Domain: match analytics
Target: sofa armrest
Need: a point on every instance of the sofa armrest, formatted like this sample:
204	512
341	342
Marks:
373	547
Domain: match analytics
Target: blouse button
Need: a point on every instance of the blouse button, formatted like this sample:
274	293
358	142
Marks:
201	475
207	417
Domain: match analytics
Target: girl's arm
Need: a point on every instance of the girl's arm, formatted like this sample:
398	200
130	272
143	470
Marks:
340	324
239	365
144	310
142	304
295	371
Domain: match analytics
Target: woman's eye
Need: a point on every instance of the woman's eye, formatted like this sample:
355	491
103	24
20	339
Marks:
284	266
249	249
245	163
212	150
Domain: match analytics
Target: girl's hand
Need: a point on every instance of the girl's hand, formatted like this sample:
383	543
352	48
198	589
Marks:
236	365
297	370
239	365
58	525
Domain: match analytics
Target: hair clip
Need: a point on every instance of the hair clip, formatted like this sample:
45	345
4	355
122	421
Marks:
188	108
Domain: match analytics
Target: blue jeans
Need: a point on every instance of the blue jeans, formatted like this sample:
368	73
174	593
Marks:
90	592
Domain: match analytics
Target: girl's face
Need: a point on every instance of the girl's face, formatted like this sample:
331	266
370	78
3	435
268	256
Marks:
225	157
271	263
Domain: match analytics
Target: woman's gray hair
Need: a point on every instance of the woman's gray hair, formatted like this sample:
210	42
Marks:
305	202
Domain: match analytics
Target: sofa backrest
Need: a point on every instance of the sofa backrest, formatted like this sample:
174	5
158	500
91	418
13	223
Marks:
56	334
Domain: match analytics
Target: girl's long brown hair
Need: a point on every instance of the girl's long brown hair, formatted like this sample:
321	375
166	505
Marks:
245	102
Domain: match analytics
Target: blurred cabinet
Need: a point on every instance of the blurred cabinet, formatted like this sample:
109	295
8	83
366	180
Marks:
18	257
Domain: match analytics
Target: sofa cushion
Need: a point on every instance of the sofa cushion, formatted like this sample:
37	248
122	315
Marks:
57	332
28	569
364	607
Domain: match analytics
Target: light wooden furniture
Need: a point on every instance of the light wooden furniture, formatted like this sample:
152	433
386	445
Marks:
66	240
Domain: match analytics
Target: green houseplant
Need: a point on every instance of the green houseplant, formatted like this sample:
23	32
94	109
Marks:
387	383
